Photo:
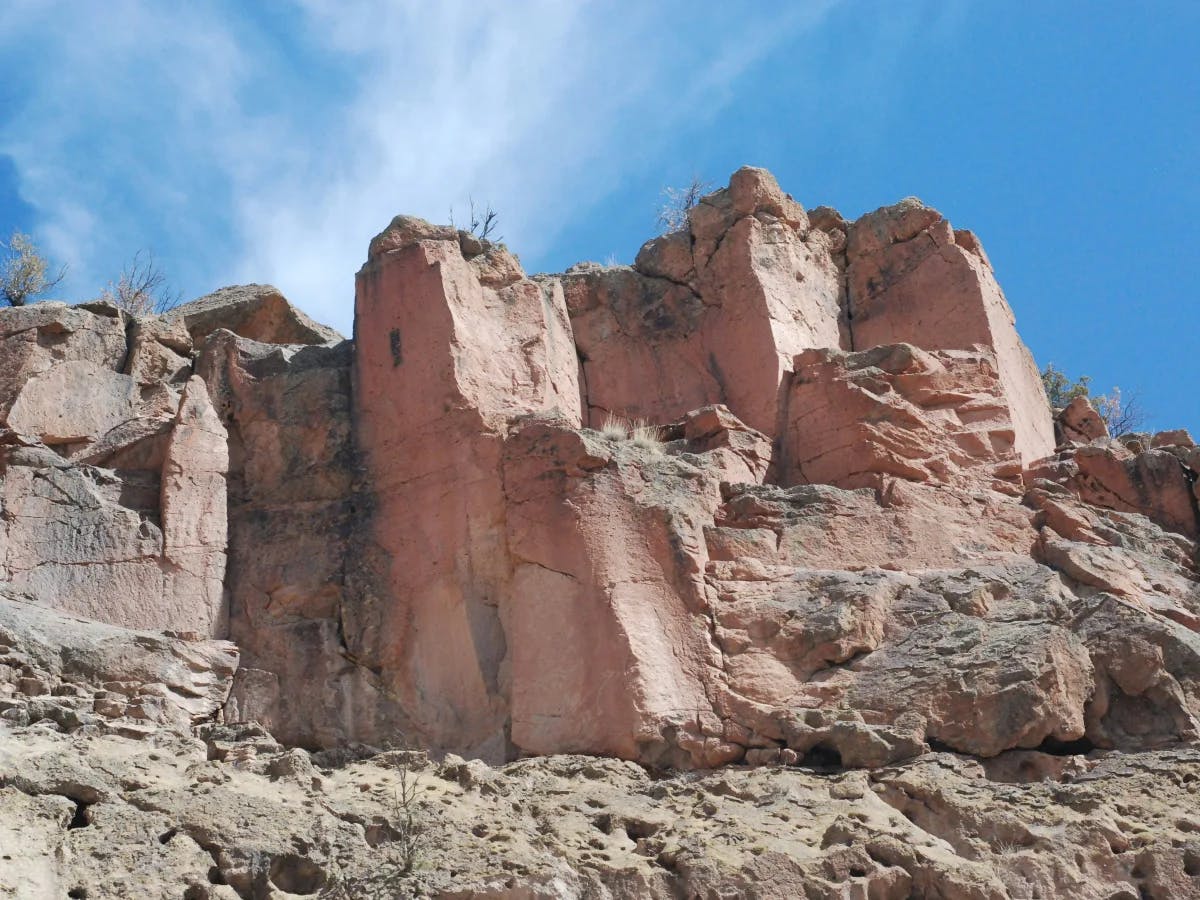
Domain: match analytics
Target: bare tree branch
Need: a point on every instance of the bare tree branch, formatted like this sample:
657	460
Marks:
673	213
142	288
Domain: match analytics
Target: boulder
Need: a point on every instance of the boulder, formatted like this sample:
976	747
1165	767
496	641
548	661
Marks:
160	350
193	677
256	311
1154	483
1078	422
36	337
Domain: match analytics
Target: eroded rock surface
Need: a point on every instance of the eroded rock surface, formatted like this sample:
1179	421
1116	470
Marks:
784	500
232	814
113	492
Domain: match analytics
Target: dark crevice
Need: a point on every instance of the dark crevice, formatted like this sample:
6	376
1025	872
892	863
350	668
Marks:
1079	747
936	746
584	397
125	368
82	817
822	756
714	369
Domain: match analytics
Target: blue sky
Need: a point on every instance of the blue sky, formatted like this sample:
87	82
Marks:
269	142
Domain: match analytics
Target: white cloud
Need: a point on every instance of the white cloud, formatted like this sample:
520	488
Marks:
242	148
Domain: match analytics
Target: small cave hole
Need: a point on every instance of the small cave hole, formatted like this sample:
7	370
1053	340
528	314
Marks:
1191	863
296	874
77	893
166	836
216	876
82	817
637	831
936	746
1079	747
603	822
858	872
822	757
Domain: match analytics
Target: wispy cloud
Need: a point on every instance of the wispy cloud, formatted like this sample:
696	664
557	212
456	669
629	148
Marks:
242	146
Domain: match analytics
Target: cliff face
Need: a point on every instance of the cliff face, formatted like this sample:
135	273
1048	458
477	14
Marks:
852	535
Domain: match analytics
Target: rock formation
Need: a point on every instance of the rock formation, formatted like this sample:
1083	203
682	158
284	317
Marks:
784	500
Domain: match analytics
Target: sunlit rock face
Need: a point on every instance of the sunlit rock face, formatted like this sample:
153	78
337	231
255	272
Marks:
783	500
786	489
114	469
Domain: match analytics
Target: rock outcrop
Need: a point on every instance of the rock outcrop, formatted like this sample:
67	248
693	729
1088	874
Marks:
113	489
255	311
784	499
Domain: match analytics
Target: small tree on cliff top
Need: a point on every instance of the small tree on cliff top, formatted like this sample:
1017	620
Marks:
1122	414
24	272
676	201
142	288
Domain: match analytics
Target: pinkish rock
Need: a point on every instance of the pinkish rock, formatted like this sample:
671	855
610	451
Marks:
292	503
1178	437
160	350
34	338
713	316
603	621
735	452
86	542
897	411
1078	422
76	402
193	676
255	311
193	510
901	526
909	280
1153	483
100	541
442	364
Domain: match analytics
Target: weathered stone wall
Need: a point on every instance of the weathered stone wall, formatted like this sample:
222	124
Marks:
113	490
845	533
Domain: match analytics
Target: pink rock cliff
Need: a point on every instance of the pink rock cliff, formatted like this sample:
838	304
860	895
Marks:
786	492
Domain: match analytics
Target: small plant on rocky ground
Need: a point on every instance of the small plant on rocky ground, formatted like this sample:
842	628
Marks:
638	432
645	435
142	288
410	833
410	830
1122	414
24	272
614	428
676	201
482	224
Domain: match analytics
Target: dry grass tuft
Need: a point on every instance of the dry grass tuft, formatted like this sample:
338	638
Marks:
614	428
645	435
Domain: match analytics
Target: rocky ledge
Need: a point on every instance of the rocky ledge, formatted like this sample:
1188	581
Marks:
761	567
